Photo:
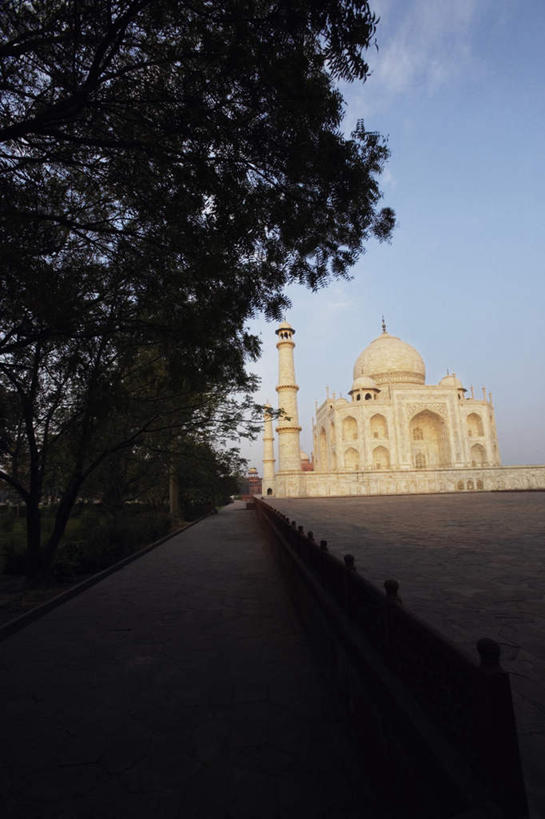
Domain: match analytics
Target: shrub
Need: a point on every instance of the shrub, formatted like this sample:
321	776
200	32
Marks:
104	538
8	516
94	540
14	557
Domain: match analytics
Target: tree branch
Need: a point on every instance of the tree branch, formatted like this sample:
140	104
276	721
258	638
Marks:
68	108
15	484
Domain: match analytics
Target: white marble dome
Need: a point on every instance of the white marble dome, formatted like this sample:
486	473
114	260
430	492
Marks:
389	360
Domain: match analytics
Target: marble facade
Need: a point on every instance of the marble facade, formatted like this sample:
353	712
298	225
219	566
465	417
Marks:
395	435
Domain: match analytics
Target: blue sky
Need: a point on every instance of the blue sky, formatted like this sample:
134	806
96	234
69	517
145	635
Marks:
459	90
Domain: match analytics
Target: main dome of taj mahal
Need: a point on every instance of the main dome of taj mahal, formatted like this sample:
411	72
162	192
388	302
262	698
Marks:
387	359
394	434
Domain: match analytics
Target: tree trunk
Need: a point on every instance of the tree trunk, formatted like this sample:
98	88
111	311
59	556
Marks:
174	494
34	540
61	519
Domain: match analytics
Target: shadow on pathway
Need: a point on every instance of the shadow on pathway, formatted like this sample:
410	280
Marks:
180	686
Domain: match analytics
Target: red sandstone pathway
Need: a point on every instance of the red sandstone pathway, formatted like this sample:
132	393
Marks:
180	686
473	565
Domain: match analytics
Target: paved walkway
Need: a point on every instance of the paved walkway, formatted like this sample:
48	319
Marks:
180	686
473	565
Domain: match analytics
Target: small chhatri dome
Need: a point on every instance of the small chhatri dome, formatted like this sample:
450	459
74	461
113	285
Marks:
389	360
364	383
450	380
304	456
285	325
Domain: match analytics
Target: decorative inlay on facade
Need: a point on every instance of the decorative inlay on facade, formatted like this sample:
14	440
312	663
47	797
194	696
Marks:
398	378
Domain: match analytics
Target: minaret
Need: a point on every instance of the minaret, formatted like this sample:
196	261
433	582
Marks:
268	453
289	455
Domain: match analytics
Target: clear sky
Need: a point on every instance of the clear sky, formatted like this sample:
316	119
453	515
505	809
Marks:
459	90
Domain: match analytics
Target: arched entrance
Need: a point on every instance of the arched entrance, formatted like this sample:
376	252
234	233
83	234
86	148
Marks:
478	455
351	459
381	458
429	440
475	425
332	445
350	429
379	427
323	450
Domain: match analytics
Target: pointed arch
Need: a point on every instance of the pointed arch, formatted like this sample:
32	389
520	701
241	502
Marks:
381	458
478	455
379	427
475	427
429	440
322	444
351	459
350	428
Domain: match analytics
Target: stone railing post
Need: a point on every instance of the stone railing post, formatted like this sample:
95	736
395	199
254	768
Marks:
350	566
392	602
499	744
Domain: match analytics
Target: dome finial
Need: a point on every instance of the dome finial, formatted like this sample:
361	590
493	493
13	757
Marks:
383	325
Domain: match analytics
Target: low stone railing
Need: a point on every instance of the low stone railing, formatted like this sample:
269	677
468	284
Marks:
435	727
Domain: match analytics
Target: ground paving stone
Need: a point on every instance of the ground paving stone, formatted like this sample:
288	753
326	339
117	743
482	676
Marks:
472	565
180	686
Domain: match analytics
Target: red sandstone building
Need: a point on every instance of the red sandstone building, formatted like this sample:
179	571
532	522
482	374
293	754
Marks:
254	482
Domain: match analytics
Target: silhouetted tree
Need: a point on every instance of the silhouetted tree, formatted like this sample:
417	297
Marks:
167	168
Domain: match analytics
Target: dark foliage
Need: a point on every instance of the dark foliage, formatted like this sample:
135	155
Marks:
178	162
166	168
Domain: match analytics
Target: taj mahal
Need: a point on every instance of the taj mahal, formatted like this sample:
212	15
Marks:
395	435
